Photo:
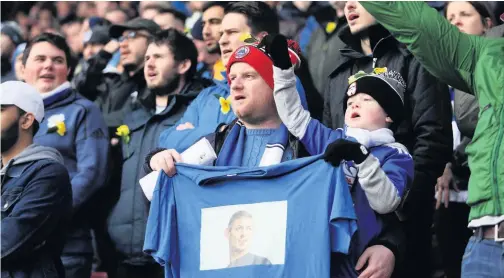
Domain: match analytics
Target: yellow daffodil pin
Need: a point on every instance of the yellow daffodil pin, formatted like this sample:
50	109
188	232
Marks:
225	104
380	70
123	132
56	123
330	27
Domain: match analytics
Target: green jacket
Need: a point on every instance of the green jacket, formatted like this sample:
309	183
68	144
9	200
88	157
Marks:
469	63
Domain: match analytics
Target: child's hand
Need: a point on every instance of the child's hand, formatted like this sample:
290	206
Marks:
276	46
345	150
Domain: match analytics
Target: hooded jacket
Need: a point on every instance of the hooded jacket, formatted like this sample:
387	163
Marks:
128	219
469	63
84	145
426	131
36	209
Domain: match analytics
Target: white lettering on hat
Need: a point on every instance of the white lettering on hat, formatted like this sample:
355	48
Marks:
352	89
242	52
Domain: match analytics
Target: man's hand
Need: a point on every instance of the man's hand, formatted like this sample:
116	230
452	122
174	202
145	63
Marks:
443	187
111	47
184	126
165	161
379	262
347	150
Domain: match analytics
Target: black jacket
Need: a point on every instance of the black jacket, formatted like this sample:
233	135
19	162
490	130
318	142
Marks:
113	92
426	130
36	211
128	219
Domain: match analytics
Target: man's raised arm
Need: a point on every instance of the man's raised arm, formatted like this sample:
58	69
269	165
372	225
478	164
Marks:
440	47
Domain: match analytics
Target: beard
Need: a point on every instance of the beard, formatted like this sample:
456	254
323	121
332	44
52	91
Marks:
214	49
10	137
168	88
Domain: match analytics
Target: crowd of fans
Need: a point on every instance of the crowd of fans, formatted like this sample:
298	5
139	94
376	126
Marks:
96	95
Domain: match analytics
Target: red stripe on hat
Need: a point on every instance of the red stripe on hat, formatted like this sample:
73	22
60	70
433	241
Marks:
256	59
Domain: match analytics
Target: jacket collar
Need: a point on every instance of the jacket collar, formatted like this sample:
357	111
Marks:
381	42
62	96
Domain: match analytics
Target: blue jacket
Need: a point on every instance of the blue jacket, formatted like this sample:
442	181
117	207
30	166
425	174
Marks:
36	209
128	219
84	147
205	115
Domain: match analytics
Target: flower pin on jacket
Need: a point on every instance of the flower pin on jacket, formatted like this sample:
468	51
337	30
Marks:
224	103
56	123
124	132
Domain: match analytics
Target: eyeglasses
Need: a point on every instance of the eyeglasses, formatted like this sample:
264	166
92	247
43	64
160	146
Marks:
133	35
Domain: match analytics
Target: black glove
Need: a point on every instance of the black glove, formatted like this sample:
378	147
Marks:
277	48
345	150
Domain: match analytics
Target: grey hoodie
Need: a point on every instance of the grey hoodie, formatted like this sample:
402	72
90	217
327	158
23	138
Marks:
32	153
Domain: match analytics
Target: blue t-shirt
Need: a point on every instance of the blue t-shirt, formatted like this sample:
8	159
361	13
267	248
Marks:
276	221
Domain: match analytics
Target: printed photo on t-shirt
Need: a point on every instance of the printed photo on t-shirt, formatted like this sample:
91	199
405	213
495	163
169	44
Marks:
243	235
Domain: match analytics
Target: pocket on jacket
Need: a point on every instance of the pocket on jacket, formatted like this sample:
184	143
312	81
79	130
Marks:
11	197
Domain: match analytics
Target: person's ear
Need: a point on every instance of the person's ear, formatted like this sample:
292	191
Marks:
388	120
184	66
487	22
27	121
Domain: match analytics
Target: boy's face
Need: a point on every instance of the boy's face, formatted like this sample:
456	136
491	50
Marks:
363	111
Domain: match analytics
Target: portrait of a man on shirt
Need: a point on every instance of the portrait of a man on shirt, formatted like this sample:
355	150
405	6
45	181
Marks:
240	232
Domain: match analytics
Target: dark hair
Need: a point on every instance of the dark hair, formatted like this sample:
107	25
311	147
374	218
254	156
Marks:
49	6
181	46
178	15
56	40
211	4
479	7
35	125
238	215
260	17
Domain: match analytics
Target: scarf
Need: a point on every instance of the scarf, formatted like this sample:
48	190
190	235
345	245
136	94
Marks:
371	138
231	153
56	94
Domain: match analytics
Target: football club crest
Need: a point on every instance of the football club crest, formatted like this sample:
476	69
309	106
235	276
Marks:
352	89
242	52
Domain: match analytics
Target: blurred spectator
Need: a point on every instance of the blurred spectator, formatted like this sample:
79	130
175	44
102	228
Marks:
426	133
103	7
75	127
117	16
297	21
205	59
195	9
47	16
323	45
65	8
149	9
10	37
213	12
17	61
36	191
71	27
111	91
470	17
86	9
94	41
170	65
170	18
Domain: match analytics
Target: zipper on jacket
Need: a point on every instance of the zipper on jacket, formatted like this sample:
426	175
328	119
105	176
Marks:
374	48
494	163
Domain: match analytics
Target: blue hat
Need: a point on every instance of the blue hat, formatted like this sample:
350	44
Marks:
197	30
19	50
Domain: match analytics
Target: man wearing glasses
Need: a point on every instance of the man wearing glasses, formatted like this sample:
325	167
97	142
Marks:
112	91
